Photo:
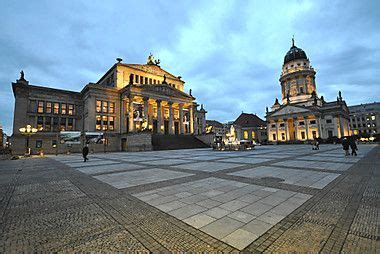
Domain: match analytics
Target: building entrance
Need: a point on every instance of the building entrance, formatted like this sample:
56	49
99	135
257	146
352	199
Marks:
166	127
176	128
291	130
154	126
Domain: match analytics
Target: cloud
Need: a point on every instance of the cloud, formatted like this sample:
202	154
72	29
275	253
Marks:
229	53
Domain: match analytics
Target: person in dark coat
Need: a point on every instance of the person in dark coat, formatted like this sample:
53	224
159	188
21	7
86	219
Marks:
346	146
353	147
85	153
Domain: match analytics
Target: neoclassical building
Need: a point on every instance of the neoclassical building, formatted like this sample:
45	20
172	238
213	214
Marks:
127	100
301	114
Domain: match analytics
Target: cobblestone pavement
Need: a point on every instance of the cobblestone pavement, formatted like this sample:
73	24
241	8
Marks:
271	199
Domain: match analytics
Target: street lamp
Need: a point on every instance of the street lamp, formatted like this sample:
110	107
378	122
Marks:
28	131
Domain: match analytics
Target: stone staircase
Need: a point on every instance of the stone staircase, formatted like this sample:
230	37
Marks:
172	142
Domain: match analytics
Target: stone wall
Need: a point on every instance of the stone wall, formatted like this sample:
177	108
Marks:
138	142
206	138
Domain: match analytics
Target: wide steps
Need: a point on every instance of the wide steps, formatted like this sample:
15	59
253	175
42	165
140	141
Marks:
172	142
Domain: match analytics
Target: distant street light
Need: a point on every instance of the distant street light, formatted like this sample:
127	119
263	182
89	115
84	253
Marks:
28	131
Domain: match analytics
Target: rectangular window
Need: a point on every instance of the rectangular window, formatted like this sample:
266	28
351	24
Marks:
283	136
302	135
70	124
47	123
98	106
111	123
314	133
373	118
312	122
55	124
56	108
105	122
253	135
245	135
48	107
63	108
282	125
131	78
112	107
301	123
354	125
71	109
146	80
273	126
141	80
137	79
40	123
274	136
150	81
62	125
40	108
154	81
98	123
105	107
38	143
328	121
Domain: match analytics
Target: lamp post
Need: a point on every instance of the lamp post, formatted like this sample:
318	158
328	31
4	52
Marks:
28	131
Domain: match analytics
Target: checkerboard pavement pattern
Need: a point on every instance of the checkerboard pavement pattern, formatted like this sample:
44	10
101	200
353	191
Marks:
204	200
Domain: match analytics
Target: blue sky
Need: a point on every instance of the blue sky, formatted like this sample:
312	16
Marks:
229	52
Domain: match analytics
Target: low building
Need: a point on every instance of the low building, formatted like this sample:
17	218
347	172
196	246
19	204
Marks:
251	127
213	126
365	119
128	99
302	115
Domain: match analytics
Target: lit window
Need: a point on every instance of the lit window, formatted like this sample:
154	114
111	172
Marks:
112	107
71	109
48	107
98	106
70	124
111	123
40	108
373	117
54	143
105	122
56	108
245	134
47	123
98	123
40	122
63	109
253	135
105	107
62	125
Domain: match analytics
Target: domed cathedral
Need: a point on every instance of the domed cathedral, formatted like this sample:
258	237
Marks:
302	115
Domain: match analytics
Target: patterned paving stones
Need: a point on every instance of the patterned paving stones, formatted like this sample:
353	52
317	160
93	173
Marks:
195	200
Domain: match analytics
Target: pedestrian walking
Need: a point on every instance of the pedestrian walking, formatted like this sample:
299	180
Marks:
346	146
85	153
353	147
317	144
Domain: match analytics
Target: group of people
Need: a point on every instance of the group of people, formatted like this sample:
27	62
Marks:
348	143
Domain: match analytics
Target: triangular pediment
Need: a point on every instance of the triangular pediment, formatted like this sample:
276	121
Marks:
165	90
289	109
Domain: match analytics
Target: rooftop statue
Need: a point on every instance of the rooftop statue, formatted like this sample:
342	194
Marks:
150	59
22	76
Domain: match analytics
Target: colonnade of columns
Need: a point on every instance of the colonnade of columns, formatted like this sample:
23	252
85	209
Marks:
148	117
295	126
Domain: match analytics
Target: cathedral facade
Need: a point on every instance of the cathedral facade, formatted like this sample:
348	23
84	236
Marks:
301	114
128	100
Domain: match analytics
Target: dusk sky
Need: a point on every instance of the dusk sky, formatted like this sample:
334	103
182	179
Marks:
229	53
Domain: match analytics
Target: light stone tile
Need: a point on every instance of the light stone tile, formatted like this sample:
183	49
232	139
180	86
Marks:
209	166
208	203
256	209
250	198
270	218
257	227
166	207
199	220
240	238
233	205
187	211
217	212
241	216
222	227
166	162
108	168
183	194
161	200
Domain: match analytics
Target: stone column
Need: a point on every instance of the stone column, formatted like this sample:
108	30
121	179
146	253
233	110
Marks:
277	130
181	127
307	128
341	127
319	127
171	114
122	116
131	123
159	116
191	119
296	129
146	108
335	122
286	129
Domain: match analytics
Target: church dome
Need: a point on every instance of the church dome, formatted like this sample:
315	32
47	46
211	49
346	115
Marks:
294	53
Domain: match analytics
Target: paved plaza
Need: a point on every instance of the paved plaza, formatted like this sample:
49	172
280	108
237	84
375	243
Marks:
285	198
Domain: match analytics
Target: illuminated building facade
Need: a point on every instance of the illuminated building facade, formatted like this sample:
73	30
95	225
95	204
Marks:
127	100
302	115
365	119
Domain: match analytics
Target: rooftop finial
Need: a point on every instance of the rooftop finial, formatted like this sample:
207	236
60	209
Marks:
293	41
